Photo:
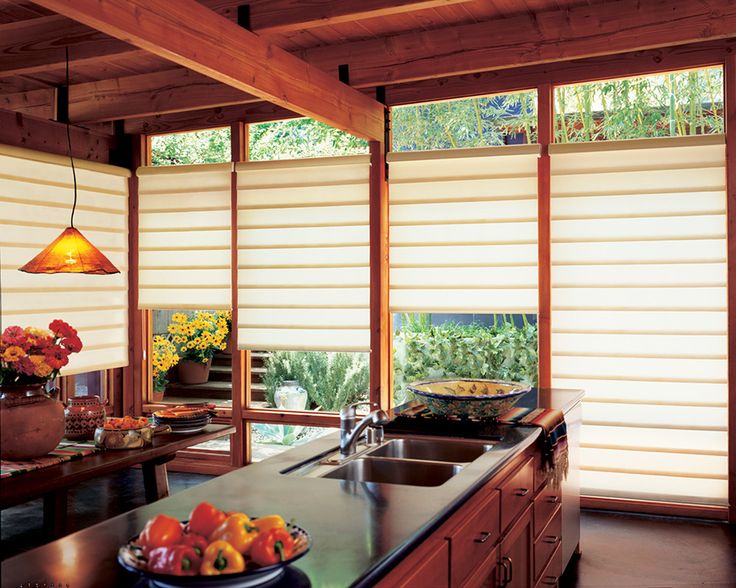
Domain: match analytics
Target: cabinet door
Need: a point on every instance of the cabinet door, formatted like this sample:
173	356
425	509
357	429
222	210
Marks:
516	554
428	566
487	575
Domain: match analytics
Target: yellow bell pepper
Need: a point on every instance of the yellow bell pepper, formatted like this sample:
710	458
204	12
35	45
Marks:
269	522
221	558
238	530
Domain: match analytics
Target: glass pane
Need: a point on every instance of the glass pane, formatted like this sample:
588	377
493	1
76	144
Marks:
667	105
308	380
90	384
210	146
269	439
487	346
191	358
508	119
299	138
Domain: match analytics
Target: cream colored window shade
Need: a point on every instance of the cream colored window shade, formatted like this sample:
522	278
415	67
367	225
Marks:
463	230
639	313
36	194
185	237
303	254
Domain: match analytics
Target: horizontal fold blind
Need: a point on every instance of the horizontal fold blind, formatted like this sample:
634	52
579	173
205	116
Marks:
36	194
639	313
463	230
303	254
185	236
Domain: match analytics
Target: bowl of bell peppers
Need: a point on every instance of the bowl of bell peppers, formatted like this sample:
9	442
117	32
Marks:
214	547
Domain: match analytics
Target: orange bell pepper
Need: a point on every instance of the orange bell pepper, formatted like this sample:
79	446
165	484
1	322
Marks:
269	522
205	518
238	530
272	547
160	531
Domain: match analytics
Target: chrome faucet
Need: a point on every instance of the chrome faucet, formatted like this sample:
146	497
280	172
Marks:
350	433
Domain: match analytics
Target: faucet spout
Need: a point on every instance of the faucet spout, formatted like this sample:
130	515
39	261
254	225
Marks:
348	438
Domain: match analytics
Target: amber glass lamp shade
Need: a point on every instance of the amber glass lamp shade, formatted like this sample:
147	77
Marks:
70	253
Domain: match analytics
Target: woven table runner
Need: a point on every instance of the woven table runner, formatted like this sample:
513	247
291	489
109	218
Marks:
65	451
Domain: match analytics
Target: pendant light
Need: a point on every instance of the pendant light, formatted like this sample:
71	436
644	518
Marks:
70	252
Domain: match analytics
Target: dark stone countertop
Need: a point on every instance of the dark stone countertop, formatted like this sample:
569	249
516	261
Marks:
359	531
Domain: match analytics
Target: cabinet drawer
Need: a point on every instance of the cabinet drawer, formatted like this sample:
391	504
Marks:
549	539
553	572
544	507
516	493
474	538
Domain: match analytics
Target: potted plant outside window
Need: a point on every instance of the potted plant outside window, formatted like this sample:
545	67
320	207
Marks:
197	336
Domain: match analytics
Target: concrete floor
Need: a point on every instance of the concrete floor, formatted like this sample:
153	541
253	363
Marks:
619	550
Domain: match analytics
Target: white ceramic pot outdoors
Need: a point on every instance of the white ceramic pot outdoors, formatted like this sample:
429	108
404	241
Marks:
290	396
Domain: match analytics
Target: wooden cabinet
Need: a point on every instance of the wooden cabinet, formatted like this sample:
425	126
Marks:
507	535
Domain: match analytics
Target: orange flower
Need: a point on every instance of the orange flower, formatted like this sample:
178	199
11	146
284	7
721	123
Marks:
13	354
43	370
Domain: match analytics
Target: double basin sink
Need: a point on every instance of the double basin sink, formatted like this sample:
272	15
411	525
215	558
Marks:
406	461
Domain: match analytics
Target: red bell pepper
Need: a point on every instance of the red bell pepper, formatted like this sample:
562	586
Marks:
205	518
176	560
160	531
272	547
198	542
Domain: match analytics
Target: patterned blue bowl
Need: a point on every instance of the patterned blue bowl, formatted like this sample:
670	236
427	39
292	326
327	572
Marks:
469	398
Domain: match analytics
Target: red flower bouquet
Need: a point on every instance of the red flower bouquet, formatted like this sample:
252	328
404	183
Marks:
35	356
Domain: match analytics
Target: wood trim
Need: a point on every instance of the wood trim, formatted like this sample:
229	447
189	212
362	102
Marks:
545	136
730	106
201	462
717	513
192	36
284	417
559	34
380	317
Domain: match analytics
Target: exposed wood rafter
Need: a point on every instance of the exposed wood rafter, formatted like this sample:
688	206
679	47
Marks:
193	36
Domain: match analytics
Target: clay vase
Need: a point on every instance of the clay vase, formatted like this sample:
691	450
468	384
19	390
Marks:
31	421
193	372
83	414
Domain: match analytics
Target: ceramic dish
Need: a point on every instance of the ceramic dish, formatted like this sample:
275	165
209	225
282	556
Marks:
128	438
184	425
468	398
130	556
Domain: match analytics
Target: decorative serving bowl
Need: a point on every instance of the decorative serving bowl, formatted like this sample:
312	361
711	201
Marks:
127	438
468	398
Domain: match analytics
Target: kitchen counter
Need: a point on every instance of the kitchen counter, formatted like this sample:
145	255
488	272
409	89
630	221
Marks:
359	531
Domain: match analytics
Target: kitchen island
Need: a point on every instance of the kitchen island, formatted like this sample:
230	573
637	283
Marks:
360	531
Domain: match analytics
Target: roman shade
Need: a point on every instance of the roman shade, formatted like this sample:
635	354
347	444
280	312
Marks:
36	193
463	230
303	254
185	237
639	313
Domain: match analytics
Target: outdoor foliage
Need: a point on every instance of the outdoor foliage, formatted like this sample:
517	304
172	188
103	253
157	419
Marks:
164	358
502	351
469	122
211	146
302	137
669	105
332	380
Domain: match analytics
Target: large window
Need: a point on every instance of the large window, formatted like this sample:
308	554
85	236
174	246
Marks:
299	138
210	146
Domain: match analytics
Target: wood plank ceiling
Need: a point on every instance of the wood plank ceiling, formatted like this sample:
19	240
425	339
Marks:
383	42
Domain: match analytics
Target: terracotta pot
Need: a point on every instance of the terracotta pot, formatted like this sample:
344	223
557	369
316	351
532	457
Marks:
193	372
31	422
83	415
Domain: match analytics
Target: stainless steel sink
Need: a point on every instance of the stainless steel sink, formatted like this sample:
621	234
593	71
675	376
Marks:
387	471
432	450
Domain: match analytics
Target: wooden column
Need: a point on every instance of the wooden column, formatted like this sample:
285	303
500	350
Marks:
136	372
545	118
730	116
380	356
239	442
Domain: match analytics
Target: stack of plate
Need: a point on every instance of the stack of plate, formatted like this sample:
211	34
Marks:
183	421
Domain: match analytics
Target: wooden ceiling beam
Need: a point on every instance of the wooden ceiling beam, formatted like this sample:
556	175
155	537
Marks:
557	35
281	16
191	35
39	103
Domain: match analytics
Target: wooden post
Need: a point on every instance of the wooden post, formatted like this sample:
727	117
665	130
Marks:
380	355
239	442
730	119
544	327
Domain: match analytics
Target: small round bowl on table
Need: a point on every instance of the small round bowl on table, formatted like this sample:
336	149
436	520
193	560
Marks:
469	398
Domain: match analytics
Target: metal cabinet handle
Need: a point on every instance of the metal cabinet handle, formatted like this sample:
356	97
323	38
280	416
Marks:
484	536
506	578
553	499
522	492
551	581
505	559
551	539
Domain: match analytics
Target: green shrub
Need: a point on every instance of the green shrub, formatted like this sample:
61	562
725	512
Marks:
502	352
332	380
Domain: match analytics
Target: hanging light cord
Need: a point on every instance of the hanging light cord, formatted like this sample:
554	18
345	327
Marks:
69	140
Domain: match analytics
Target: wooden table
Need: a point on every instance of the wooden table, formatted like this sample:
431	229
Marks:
52	482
